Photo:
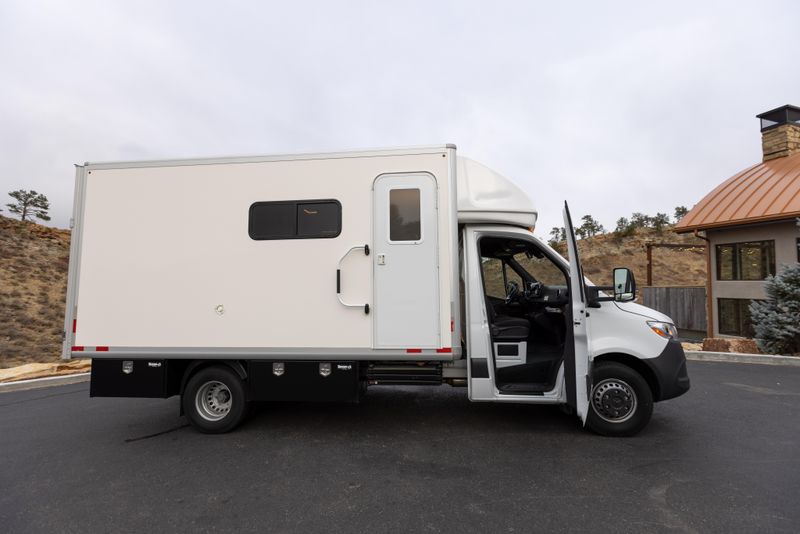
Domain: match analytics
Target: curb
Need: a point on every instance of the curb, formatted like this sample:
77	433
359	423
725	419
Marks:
36	383
736	357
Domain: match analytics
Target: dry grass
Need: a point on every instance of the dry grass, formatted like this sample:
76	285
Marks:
671	267
33	286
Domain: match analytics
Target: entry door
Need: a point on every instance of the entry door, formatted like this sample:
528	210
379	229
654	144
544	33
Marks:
577	373
406	270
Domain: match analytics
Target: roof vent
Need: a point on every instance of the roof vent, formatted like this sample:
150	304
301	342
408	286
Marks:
780	132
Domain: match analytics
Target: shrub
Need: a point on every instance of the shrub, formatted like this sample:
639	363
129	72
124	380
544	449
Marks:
777	319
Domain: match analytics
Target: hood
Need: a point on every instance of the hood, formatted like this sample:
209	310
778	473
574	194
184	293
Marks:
644	311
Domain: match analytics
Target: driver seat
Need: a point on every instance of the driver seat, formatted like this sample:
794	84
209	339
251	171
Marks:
505	327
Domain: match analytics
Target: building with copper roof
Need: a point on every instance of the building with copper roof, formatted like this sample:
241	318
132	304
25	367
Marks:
751	223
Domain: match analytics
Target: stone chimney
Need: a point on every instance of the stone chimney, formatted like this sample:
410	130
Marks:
780	132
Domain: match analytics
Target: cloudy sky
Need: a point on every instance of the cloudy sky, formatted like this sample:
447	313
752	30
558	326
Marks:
615	106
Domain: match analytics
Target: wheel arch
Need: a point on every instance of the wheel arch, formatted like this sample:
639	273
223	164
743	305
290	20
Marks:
637	365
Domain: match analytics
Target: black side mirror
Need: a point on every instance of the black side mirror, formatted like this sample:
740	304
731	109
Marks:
624	285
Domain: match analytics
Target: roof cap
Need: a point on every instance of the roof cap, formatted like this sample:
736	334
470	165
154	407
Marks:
783	115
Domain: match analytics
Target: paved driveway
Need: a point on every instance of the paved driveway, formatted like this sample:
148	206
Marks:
723	458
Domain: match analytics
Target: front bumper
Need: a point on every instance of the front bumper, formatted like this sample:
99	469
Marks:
670	371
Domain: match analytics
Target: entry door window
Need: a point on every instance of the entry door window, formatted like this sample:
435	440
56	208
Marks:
405	221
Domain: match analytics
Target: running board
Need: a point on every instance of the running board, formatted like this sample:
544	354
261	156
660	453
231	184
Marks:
524	389
404	374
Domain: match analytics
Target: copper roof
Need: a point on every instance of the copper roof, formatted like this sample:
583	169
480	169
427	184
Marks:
768	191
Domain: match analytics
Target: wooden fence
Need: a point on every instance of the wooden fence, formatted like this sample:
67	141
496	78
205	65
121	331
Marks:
685	305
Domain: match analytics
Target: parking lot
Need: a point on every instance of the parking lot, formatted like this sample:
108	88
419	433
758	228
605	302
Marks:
723	458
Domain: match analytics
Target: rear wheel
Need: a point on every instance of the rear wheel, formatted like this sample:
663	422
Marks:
621	402
214	400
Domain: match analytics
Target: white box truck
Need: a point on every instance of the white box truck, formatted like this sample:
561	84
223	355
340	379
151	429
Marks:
313	277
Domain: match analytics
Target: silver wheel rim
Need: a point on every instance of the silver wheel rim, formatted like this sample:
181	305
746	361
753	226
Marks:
614	401
213	400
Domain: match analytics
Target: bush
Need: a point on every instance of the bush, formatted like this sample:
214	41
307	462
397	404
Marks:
777	319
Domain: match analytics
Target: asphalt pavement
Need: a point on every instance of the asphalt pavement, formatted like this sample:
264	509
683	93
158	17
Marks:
723	458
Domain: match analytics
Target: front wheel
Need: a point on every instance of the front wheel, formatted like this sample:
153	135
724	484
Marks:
214	400
621	402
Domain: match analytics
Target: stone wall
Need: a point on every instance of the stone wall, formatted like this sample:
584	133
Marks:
782	140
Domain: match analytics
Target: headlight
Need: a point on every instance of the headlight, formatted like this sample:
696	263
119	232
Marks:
665	330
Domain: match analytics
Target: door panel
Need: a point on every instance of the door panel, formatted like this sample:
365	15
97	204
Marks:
405	263
576	362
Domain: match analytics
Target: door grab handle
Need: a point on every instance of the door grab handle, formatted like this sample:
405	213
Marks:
365	248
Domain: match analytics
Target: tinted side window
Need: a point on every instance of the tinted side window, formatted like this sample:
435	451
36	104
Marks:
295	219
319	219
404	215
273	220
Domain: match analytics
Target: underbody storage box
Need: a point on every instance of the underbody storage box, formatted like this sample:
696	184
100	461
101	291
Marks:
130	378
303	381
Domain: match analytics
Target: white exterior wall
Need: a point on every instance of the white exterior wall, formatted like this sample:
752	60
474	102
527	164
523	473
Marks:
161	246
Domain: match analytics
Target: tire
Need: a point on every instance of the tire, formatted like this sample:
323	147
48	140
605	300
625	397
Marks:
214	400
621	402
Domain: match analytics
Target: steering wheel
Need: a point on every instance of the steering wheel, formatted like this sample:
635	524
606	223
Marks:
534	290
512	291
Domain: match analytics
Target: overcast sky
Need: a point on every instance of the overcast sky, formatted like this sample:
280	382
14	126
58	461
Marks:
614	106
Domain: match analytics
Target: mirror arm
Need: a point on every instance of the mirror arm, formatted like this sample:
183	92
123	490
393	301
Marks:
593	298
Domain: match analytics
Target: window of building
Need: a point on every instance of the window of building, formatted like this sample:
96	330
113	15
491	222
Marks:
295	219
734	317
405	223
754	260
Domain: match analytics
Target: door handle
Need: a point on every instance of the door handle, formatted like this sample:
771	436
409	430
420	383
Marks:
365	248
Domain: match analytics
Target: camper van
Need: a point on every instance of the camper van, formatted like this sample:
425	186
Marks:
315	277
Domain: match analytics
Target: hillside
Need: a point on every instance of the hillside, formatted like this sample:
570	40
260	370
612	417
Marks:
34	260
671	267
33	285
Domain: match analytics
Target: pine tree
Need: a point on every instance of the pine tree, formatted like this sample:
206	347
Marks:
680	212
557	236
659	221
590	227
777	319
624	227
640	220
29	204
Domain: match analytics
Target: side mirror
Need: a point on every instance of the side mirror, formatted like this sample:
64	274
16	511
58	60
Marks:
624	285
